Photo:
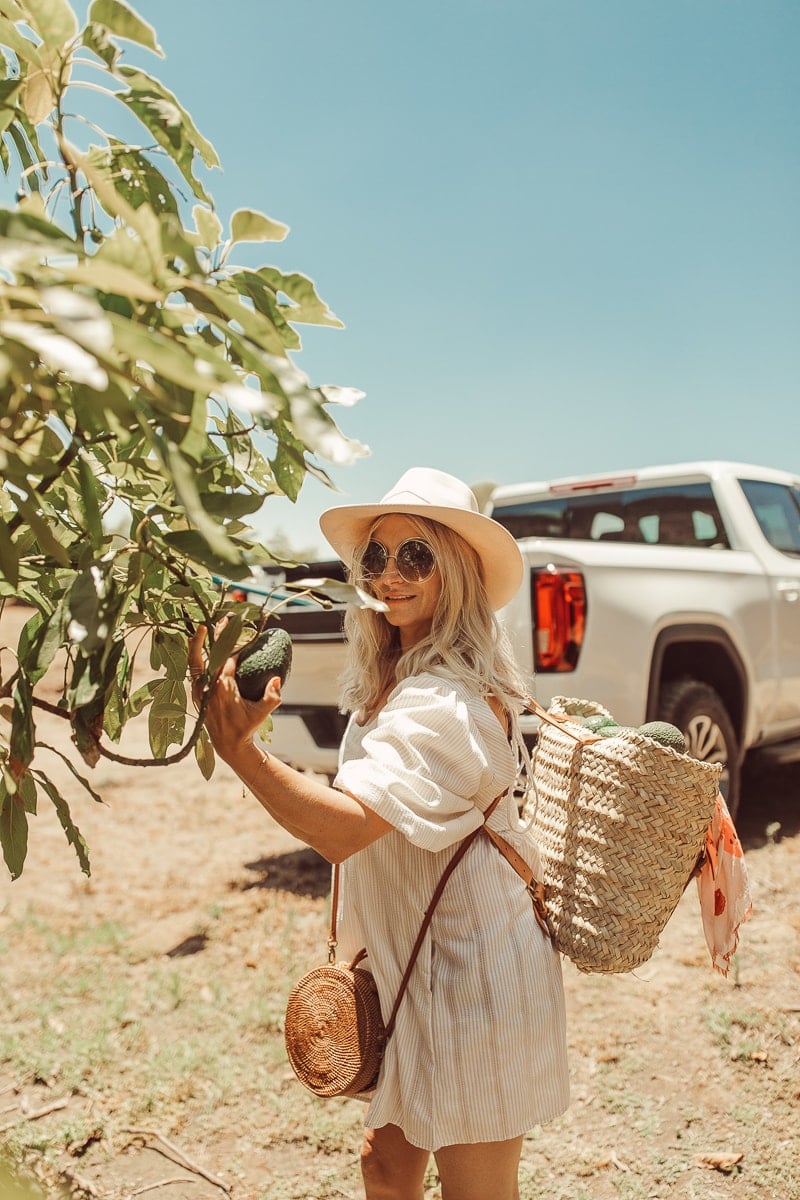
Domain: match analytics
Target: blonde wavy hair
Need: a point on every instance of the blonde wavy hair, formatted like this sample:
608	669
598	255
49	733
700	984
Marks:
466	642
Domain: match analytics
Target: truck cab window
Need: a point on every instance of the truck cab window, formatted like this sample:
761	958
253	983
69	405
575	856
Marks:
777	510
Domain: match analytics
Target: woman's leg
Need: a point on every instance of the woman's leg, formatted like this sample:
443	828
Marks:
484	1171
392	1168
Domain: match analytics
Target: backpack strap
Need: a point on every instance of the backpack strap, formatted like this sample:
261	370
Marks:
535	889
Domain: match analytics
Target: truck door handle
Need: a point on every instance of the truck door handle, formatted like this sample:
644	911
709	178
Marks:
789	590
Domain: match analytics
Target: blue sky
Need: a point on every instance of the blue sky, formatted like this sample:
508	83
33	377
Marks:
563	235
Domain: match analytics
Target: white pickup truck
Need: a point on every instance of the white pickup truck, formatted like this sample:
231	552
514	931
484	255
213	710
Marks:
668	593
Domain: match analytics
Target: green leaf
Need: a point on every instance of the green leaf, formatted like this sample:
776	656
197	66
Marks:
174	650
39	642
249	283
96	38
169	123
53	20
85	686
26	790
88	611
288	467
342	593
25	50
20	224
185	480
225	643
14	10
82	780
318	431
192	544
107	277
123	22
247	225
91	491
39	94
167	717
166	356
13	830
9	94
306	306
74	836
204	755
139	180
9	558
222	300
52	638
115	710
142	220
208	225
133	254
141	698
22	729
233	504
48	544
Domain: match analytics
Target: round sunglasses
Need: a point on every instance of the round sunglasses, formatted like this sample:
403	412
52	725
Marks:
414	559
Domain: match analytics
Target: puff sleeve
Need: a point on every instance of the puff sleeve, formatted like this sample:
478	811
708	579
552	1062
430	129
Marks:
425	766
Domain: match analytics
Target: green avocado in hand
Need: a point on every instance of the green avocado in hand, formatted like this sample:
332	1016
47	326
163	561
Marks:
269	654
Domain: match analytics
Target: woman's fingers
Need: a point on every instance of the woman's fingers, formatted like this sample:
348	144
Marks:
196	643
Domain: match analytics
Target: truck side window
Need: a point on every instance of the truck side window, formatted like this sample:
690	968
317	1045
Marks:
777	510
666	514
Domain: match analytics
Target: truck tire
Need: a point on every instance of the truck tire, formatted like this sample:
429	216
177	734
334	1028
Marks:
703	719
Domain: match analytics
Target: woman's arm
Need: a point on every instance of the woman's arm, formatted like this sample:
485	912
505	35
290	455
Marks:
333	823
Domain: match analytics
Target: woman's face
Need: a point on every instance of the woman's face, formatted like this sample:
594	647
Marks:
411	605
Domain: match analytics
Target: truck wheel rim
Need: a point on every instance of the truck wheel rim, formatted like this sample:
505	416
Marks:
705	740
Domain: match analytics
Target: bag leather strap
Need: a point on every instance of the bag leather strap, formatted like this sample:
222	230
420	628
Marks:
535	889
435	898
560	722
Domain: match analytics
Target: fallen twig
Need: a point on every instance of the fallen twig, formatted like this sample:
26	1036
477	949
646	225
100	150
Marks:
180	1158
76	1183
150	1187
35	1114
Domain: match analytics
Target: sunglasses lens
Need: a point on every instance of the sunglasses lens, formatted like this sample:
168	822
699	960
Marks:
373	560
415	561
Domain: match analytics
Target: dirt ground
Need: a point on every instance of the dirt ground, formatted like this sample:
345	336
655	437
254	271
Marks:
141	1049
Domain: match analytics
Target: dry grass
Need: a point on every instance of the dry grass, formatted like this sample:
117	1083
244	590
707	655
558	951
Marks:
146	1004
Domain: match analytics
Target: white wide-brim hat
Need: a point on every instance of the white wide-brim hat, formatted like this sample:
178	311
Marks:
424	492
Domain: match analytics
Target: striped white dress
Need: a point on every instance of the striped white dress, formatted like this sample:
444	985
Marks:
479	1048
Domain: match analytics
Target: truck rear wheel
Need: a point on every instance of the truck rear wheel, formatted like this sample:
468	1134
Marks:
703	719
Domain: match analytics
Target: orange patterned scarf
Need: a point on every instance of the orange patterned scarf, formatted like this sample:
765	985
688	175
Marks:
723	888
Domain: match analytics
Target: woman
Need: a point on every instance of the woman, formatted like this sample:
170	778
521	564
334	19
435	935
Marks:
478	1053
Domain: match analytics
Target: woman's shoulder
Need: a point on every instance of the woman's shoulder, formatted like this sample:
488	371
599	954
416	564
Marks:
430	688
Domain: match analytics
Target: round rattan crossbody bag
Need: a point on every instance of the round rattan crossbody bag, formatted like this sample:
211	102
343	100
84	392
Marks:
334	1033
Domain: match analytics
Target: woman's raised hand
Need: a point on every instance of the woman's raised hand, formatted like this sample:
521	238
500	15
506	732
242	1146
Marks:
231	721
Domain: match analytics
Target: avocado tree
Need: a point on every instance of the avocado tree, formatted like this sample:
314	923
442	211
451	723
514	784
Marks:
149	400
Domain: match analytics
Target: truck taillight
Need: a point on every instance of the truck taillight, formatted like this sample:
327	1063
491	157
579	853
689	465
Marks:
558	605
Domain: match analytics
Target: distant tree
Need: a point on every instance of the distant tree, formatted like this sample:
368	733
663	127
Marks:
283	547
148	399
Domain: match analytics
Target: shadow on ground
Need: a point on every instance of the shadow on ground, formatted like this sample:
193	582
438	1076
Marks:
770	797
303	872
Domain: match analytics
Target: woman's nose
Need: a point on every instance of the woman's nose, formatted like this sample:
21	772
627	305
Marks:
389	569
